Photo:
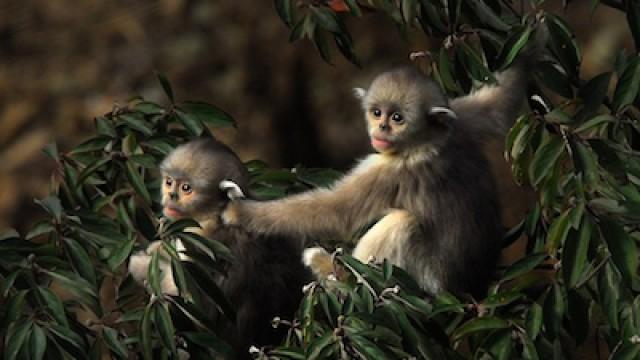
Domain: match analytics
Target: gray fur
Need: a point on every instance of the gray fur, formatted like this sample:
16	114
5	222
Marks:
437	173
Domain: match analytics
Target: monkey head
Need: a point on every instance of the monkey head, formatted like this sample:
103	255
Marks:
190	177
403	108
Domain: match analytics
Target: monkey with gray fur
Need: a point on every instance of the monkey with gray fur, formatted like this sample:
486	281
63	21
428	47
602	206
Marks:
266	277
428	186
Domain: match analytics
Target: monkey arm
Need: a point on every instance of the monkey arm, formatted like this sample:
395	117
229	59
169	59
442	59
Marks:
359	198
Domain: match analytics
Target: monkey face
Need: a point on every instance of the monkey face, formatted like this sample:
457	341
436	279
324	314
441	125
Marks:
386	127
177	197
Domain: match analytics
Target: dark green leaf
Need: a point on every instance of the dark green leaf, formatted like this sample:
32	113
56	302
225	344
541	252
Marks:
144	160
545	158
37	343
51	204
136	181
283	8
166	86
325	18
105	127
574	254
591	123
93	167
15	339
69	337
137	122
586	163
165	327
52	151
43	227
473	64
554	310
514	44
54	306
81	260
146	334
554	78
190	122
111	339
628	351
623	249
489	17
315	349
593	94
208	113
15	307
480	324
209	340
8	282
558	230
148	108
523	266
533	320
633	19
628	85
120	254
563	44
95	144
9	234
353	7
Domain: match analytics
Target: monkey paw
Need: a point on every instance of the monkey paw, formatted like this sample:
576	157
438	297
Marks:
232	189
319	261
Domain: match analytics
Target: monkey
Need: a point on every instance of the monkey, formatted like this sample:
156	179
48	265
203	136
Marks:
264	280
428	185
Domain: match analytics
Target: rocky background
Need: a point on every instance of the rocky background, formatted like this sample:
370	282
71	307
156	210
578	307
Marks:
63	62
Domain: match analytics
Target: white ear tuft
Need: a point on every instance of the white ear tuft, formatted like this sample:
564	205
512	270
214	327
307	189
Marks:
232	189
359	93
439	110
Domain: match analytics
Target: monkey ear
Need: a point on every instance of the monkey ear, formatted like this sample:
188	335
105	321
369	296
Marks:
440	112
359	93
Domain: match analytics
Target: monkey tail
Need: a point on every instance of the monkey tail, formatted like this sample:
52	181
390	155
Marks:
492	109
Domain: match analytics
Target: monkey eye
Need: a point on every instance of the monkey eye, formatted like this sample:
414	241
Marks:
397	117
376	112
186	188
168	181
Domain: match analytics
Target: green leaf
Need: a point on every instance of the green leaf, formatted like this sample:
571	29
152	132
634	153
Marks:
574	254
136	181
43	227
563	44
533	320
144	160
559	230
15	339
166	86
191	123
545	158
586	163
110	336
120	254
322	45
8	234
15	306
593	94
623	249
523	266
8	282
155	274
92	168
178	226
558	116
81	260
367	348
489	17
595	121
283	8
55	308
146	334
165	327
628	351
37	343
209	340
554	310
353	7
148	108
137	122
208	113
479	324
315	349
473	64
628	85
51	204
52	151
514	45
325	18
552	76
91	145
105	127
69	337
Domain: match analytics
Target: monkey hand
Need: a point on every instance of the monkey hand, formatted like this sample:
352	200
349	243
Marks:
232	189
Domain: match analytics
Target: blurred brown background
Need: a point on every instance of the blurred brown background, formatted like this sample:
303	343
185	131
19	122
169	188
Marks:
62	62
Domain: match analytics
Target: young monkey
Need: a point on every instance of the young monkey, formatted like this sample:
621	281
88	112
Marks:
429	185
266	277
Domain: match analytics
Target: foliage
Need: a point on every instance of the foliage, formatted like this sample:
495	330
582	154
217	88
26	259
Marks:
578	149
65	292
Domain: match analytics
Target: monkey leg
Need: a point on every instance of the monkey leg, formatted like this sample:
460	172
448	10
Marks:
388	238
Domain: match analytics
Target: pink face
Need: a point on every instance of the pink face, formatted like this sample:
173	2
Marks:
384	127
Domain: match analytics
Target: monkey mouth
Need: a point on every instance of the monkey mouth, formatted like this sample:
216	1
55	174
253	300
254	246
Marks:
172	213
380	144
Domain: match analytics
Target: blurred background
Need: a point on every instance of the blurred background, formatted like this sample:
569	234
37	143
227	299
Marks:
63	62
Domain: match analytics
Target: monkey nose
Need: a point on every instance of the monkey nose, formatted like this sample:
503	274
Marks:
383	126
173	195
